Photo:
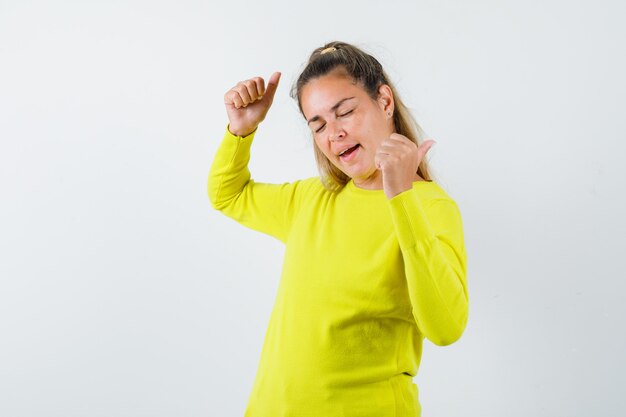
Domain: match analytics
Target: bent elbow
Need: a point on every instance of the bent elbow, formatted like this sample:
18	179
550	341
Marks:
216	203
212	198
445	340
448	335
213	194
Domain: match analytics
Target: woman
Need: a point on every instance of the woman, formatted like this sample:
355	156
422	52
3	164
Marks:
375	259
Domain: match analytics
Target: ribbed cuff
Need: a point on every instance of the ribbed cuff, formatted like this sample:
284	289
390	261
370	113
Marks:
232	135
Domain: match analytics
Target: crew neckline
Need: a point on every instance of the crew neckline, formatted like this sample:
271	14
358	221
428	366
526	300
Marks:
363	191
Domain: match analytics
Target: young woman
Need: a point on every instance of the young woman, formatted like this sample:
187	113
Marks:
375	258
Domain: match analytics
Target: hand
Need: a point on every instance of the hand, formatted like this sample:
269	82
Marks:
398	158
247	103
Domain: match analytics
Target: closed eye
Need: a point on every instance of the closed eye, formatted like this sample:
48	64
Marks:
341	115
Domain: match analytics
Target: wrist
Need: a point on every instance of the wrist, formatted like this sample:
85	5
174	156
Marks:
243	132
393	192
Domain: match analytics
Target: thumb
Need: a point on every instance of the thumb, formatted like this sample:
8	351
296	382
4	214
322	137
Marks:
272	85
426	146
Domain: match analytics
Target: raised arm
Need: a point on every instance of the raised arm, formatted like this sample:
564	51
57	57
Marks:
267	208
248	102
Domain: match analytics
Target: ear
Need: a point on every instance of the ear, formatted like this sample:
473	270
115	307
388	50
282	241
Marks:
385	99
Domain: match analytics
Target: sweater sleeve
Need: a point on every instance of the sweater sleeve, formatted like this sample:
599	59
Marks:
267	208
430	235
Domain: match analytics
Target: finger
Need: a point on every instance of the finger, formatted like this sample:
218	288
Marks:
237	101
387	149
398	141
242	90
426	146
399	137
377	160
394	143
381	161
232	98
260	85
383	150
402	141
252	90
396	147
272	85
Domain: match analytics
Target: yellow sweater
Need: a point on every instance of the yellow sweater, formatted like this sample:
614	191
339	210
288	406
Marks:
365	279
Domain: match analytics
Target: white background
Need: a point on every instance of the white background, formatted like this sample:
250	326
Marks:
123	293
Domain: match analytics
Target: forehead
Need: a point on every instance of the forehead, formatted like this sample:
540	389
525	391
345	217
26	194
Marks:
320	94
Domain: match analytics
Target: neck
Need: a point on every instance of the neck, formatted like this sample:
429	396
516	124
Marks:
376	181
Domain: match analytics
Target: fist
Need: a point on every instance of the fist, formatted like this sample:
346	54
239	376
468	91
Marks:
398	158
248	102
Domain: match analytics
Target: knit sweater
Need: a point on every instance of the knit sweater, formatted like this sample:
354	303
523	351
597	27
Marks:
364	280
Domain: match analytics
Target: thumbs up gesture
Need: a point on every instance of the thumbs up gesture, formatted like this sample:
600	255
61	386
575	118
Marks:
398	158
247	103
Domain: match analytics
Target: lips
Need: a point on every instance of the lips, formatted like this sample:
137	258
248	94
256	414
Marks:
346	149
350	153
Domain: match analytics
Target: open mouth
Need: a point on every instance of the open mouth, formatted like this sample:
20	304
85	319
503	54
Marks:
349	153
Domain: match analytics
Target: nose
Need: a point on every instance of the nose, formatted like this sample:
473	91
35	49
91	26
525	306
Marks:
335	131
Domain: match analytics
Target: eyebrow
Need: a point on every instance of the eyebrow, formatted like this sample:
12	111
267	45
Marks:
315	118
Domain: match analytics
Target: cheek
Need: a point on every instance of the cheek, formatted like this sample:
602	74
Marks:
373	135
321	142
322	145
362	127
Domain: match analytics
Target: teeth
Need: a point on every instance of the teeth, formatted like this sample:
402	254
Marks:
345	150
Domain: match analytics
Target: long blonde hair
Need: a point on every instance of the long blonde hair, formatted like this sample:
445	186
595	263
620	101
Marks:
365	70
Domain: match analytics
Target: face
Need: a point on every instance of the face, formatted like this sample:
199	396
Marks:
341	115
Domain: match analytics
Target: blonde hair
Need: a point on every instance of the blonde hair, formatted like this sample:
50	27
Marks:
365	70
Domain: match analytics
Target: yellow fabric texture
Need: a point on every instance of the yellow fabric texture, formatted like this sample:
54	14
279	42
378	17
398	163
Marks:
364	280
